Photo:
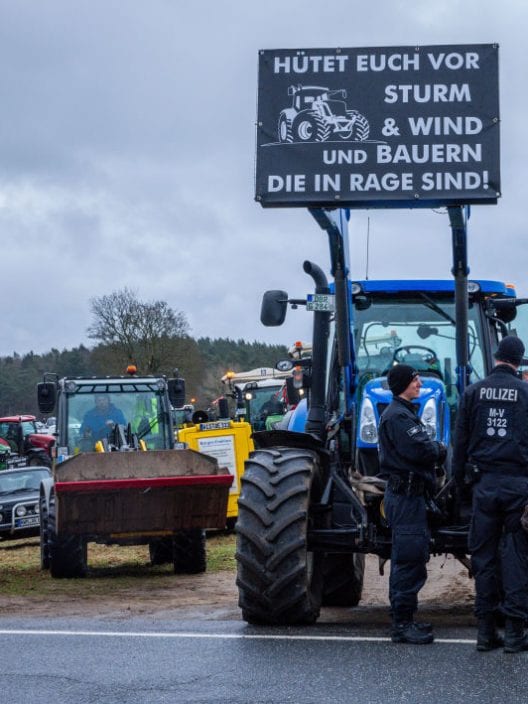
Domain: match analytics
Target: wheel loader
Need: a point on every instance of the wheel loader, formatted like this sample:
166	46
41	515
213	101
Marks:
118	478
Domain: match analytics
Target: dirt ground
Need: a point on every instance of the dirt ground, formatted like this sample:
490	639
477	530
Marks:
446	598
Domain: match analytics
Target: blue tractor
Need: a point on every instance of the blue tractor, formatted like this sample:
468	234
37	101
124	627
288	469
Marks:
311	506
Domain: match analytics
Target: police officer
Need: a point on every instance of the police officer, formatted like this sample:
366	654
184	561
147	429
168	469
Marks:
492	440
407	459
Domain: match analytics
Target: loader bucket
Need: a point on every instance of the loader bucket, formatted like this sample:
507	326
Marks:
155	492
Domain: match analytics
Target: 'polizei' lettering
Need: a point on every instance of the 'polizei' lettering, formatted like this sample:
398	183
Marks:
493	394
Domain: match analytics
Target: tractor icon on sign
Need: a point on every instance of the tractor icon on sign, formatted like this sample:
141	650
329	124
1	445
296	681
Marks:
319	113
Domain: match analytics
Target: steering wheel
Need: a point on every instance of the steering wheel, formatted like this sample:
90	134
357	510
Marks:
429	358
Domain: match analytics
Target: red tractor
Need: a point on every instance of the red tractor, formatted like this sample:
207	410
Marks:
20	435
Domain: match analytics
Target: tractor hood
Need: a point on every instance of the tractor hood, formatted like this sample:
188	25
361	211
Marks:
376	397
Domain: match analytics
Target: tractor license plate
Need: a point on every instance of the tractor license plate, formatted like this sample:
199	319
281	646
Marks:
320	302
27	522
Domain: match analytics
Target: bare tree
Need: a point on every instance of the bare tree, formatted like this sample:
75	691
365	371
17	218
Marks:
141	331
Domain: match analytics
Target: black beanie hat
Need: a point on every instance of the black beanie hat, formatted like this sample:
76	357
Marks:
399	378
511	350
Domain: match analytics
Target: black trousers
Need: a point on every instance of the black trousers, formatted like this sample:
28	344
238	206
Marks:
407	518
499	546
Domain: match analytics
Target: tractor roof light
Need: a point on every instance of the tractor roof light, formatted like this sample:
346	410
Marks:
131	370
356	288
473	287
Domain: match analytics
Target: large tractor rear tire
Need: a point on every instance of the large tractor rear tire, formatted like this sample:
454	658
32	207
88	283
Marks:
343	579
310	127
279	580
66	553
189	555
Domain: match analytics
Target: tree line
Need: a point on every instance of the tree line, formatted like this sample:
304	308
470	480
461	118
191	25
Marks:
129	331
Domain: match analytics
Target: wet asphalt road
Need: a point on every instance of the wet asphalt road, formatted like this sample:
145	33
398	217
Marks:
140	661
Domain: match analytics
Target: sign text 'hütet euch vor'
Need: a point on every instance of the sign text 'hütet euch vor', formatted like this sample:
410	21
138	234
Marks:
397	126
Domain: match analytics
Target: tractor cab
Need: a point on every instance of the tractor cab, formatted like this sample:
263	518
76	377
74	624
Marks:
413	322
101	410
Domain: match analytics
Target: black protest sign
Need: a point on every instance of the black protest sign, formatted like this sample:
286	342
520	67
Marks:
381	127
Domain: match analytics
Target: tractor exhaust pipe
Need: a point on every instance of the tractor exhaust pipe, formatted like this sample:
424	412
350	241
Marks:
316	420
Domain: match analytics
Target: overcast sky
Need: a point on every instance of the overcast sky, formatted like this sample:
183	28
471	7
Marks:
127	139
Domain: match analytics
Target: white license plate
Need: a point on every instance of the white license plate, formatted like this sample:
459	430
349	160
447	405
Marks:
323	302
27	522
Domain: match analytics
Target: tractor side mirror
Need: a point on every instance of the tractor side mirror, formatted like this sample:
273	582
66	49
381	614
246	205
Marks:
176	388
273	309
362	302
505	309
46	396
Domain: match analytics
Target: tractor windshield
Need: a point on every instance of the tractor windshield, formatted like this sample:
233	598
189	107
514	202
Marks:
93	410
262	403
419	331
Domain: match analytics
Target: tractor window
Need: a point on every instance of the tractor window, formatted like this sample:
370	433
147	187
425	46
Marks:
519	327
418	331
28	427
262	402
9	434
92	416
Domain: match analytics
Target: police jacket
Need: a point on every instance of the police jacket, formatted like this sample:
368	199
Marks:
492	425
404	445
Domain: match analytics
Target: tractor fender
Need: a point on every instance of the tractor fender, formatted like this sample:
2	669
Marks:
297	421
289	114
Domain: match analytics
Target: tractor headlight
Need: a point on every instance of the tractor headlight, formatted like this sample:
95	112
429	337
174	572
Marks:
36	508
368	431
20	511
429	418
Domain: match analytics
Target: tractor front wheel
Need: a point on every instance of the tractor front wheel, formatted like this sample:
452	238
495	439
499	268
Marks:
66	553
279	580
284	129
189	553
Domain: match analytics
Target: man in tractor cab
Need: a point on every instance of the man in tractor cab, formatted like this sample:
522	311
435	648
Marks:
98	421
491	442
407	460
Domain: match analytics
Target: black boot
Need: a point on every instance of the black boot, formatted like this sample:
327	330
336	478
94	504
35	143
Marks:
487	637
514	639
410	632
423	626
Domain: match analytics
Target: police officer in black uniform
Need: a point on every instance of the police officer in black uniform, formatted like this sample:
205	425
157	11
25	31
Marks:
407	459
491	441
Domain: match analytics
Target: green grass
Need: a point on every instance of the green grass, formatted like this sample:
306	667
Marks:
111	569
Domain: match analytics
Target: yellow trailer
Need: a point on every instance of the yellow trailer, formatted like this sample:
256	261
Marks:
230	443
